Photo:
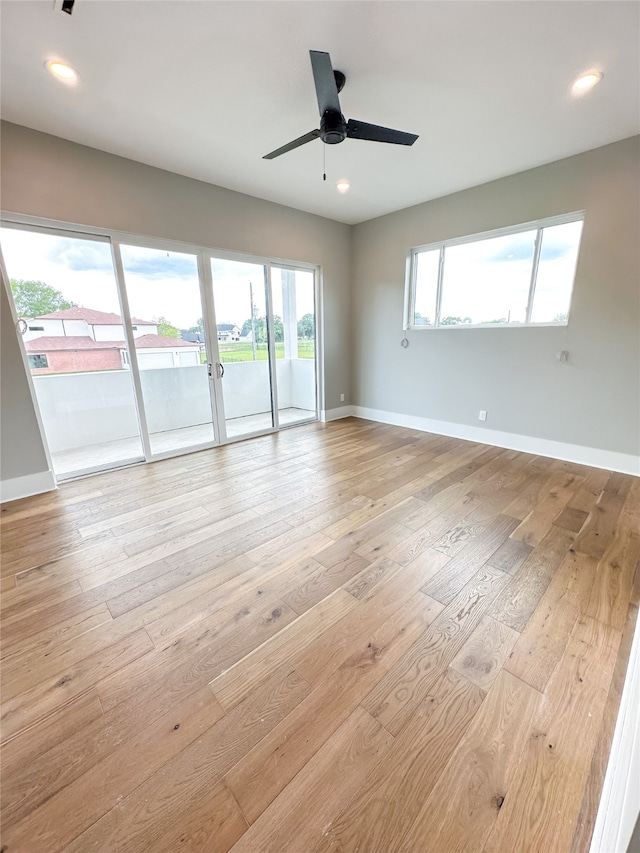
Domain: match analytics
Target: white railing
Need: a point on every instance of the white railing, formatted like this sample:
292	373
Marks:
82	409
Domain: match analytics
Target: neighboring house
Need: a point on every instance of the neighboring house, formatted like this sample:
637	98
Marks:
85	322
81	353
156	351
228	332
59	354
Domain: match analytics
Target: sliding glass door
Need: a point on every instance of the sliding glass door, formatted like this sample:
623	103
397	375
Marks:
66	296
243	326
163	295
140	350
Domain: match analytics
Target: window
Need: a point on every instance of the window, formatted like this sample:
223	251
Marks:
517	276
38	361
36	328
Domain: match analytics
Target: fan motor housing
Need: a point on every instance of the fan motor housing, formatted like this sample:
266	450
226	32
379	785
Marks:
333	127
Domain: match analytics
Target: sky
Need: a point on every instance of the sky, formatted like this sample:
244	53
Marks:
159	283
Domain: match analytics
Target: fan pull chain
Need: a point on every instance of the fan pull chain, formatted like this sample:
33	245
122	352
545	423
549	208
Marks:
324	162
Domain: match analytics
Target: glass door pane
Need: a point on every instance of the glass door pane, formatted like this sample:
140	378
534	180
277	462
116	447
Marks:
163	292
240	304
65	291
294	323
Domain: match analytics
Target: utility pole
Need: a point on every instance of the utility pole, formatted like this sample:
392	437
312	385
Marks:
253	322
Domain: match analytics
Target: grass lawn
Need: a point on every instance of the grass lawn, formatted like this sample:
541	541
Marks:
241	351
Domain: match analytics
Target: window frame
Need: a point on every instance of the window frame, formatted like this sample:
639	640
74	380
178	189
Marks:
537	225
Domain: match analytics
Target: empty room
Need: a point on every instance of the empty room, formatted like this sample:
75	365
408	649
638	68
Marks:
320	426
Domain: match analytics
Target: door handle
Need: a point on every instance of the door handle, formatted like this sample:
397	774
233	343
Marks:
220	370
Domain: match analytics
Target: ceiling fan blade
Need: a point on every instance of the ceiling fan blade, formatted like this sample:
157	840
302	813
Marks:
375	133
326	88
301	140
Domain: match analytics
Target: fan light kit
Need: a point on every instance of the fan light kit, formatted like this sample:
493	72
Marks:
61	70
342	186
334	128
586	82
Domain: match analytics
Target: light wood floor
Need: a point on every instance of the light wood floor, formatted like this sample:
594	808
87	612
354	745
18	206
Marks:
345	637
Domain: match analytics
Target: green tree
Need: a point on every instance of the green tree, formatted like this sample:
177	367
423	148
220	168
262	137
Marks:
198	328
260	326
307	326
35	298
278	328
419	320
167	329
455	321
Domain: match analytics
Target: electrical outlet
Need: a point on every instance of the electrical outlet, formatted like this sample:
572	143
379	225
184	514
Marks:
482	415
342	398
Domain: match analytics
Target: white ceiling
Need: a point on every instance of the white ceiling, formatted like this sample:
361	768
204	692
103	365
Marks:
206	88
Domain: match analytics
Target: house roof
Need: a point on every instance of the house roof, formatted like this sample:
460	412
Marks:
91	316
193	337
227	327
49	343
162	341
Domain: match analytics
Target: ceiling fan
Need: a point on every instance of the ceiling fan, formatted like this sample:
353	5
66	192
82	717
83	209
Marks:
333	126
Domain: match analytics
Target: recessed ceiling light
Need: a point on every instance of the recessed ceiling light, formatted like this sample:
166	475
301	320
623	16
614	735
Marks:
342	186
586	82
62	71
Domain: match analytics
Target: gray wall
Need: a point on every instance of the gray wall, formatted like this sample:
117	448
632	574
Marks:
46	176
450	374
446	375
49	177
21	450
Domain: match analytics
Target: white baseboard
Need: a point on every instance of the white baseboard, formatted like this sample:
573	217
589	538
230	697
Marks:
336	414
610	460
25	487
620	800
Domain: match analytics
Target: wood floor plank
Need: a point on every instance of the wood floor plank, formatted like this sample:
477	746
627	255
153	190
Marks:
297	818
613	584
198	656
49	695
137	822
391	797
509	556
599	529
465	802
78	805
44	641
593	789
397	695
543	641
555	496
546	792
483	655
326	653
471	557
263	773
235	683
520	598
371	639
26	749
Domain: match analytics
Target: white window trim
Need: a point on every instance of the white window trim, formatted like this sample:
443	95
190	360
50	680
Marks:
441	245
